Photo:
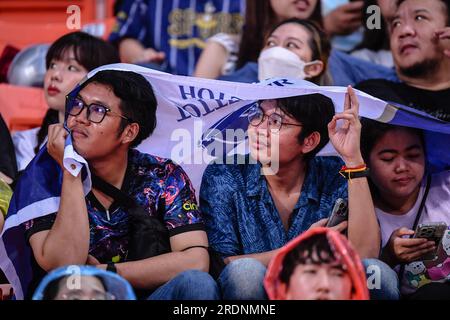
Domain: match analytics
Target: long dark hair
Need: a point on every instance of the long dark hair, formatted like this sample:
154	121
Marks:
89	51
259	19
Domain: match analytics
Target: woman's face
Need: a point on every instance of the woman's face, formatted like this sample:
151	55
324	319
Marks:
397	163
292	37
61	77
268	145
286	9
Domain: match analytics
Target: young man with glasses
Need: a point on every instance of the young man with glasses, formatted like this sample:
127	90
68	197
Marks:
112	113
249	216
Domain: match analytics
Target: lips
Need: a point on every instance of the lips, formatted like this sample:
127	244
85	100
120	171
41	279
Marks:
52	91
79	133
302	5
403	180
407	48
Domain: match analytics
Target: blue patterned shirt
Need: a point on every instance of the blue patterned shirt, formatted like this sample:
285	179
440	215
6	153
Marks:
241	217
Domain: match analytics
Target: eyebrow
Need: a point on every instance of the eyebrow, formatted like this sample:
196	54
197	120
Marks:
413	147
95	101
422	10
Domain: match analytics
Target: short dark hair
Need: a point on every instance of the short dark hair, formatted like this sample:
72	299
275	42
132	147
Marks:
445	2
372	131
91	52
314	112
313	250
137	99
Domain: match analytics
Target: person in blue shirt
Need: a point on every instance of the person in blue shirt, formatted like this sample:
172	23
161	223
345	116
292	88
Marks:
170	35
253	209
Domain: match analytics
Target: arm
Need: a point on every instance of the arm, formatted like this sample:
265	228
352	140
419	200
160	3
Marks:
155	271
363	228
67	242
132	51
211	61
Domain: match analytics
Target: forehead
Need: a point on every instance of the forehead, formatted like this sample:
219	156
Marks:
398	139
291	30
435	7
98	92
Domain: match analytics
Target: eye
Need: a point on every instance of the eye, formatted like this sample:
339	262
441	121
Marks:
420	17
292	45
414	156
97	109
395	24
270	43
73	68
52	65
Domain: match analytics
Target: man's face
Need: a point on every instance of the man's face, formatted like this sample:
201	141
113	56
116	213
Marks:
96	140
319	282
414	44
397	164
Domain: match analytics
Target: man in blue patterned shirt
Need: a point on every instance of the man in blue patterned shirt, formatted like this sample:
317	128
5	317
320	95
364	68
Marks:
113	112
249	216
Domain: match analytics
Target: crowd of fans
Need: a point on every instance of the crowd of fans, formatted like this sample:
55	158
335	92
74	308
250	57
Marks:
251	236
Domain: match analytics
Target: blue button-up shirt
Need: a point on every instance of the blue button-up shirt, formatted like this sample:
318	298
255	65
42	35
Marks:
241	217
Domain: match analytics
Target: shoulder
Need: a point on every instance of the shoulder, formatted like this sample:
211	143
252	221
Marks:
441	180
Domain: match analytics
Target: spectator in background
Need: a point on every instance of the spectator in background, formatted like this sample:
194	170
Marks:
8	164
375	44
169	35
397	158
420	44
68	60
320	264
83	283
225	53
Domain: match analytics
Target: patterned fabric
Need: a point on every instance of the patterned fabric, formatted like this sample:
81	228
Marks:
179	28
158	185
241	217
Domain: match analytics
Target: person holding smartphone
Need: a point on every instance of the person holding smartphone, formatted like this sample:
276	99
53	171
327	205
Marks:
396	156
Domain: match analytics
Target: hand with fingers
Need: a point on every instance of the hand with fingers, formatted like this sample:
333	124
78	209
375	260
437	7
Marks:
405	250
56	141
346	138
443	37
323	222
345	19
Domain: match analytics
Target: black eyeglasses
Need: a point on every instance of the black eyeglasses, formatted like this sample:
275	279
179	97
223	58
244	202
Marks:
256	116
95	112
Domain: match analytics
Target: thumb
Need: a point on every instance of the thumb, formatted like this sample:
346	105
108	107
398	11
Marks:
403	232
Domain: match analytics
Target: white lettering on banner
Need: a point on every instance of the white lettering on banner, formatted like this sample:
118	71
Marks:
73	282
73	22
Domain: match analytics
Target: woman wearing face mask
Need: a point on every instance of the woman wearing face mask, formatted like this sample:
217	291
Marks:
68	60
297	49
225	53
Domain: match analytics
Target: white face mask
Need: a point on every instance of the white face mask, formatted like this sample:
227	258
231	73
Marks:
280	62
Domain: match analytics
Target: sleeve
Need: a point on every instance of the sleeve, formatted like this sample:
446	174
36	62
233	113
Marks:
219	211
131	22
181	212
7	156
39	224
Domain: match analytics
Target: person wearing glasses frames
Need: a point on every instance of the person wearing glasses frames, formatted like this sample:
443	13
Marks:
250	215
110	115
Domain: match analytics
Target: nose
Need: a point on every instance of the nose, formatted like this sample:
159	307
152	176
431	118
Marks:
323	282
406	30
82	117
55	74
401	165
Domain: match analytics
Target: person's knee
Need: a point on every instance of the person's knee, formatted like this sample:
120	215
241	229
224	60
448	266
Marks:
243	279
196	285
382	280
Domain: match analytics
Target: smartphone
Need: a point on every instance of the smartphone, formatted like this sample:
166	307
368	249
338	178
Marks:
433	232
339	213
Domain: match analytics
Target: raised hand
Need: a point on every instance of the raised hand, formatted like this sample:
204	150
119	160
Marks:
56	141
346	139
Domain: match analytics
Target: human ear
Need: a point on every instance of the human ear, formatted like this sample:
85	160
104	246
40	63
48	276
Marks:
311	142
314	69
130	133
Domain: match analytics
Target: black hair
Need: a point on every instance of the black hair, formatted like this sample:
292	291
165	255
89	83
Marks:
53	287
318	42
372	131
314	112
313	250
445	2
373	39
90	52
137	100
